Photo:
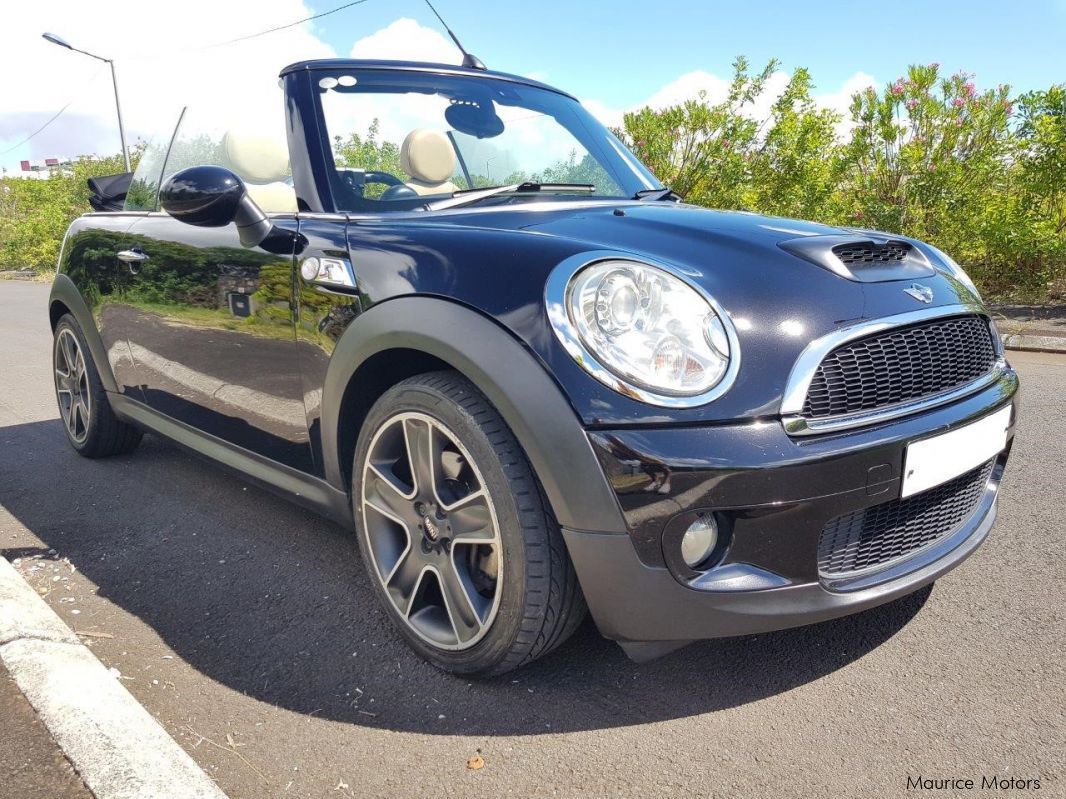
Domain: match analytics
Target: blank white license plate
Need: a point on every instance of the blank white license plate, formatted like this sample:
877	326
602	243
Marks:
936	460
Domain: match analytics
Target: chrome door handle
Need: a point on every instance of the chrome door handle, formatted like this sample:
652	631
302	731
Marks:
134	256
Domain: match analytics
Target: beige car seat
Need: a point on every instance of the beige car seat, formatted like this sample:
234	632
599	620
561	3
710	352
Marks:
429	158
262	163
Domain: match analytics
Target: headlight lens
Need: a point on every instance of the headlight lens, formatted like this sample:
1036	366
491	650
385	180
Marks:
649	328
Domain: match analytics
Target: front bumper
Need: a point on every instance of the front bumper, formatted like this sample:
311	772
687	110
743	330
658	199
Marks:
777	493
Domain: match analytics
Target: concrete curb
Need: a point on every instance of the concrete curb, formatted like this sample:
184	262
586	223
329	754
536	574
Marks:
119	750
1033	343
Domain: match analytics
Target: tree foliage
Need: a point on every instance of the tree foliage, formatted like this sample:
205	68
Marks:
34	214
979	173
928	156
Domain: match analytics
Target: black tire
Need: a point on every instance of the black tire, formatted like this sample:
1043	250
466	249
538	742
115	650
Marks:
540	602
101	434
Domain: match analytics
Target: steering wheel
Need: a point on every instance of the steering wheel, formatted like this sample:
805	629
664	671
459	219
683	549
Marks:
374	176
357	180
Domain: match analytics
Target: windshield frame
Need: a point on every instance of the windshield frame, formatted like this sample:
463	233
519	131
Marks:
602	145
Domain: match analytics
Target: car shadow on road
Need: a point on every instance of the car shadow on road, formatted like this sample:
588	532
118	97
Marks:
272	601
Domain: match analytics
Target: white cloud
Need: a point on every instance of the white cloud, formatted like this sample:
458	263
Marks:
840	101
689	86
406	40
164	61
155	74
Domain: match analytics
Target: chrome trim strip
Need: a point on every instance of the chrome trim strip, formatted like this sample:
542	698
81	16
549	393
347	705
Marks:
806	365
555	291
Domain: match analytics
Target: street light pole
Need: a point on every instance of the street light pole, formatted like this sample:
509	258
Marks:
51	37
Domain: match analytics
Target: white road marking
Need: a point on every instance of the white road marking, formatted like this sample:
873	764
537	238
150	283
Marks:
119	750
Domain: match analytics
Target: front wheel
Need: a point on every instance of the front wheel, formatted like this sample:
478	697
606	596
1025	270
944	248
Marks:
459	543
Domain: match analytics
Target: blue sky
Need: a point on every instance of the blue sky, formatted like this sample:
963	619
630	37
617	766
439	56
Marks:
623	51
614	55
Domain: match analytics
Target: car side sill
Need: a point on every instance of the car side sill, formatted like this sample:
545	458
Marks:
288	483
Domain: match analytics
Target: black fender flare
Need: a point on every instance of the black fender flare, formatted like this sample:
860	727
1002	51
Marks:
65	291
507	373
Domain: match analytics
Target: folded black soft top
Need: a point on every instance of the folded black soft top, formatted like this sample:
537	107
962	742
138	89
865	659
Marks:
108	192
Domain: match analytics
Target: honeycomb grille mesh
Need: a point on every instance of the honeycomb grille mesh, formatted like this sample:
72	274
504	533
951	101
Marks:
878	535
900	365
870	253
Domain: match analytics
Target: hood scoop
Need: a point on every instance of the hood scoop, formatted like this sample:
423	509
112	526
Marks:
862	258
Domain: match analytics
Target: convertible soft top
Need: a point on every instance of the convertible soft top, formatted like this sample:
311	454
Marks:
108	192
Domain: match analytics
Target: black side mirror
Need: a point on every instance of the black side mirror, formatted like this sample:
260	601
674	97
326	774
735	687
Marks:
212	196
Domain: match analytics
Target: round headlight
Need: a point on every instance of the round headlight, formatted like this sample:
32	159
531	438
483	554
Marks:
646	331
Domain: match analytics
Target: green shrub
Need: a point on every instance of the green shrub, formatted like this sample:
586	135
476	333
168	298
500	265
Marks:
977	173
928	157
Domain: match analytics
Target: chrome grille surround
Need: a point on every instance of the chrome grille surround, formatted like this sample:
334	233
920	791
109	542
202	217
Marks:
796	422
901	365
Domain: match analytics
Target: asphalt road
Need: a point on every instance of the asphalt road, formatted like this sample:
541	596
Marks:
245	626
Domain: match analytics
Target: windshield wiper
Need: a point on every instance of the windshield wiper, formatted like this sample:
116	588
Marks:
651	195
468	196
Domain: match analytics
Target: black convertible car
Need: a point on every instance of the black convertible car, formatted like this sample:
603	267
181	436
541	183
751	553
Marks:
448	306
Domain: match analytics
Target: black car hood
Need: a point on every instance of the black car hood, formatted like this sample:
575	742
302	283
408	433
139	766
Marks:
778	301
683	223
742	259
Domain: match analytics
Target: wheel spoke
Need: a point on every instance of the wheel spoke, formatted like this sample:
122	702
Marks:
62	364
464	615
422	453
72	419
83	411
404	581
66	403
471	519
69	355
382	494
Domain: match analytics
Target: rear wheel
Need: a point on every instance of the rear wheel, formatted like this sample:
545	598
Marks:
460	545
90	424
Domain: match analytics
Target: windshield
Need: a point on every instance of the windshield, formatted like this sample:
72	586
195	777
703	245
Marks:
401	140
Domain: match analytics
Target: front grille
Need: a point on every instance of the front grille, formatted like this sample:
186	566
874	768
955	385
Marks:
900	365
876	536
870	253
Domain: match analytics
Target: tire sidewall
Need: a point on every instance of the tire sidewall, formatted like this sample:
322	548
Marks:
506	626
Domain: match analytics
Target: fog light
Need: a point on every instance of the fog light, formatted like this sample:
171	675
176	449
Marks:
699	541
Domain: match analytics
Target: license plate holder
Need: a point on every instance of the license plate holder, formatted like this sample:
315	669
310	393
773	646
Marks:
932	461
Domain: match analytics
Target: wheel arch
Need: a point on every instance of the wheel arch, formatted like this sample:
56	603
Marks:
410	335
65	298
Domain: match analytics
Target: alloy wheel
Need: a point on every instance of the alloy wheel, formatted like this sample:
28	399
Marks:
72	385
432	531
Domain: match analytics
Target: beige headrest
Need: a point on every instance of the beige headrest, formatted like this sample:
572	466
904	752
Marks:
274	198
427	155
256	158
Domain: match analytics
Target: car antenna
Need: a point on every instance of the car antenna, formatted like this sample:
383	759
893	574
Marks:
469	61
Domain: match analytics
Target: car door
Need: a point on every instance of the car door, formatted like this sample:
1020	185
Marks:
211	331
212	335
